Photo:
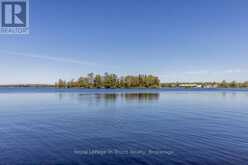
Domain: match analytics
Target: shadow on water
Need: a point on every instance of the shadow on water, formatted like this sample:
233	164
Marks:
110	97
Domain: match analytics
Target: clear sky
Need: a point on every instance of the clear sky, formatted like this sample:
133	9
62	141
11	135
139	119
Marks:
178	40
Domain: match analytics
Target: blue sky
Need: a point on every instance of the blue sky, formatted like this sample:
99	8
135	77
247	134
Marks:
178	40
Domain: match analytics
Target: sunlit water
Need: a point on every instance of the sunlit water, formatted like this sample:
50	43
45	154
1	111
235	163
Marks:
123	126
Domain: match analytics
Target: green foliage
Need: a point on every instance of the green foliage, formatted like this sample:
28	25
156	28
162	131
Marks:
61	84
141	81
98	81
111	81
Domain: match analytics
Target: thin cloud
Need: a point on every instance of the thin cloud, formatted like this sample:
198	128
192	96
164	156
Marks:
50	58
234	71
197	72
203	72
227	71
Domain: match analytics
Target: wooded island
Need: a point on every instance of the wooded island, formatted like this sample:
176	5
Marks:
111	80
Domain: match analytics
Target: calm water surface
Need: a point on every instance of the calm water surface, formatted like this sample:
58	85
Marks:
123	126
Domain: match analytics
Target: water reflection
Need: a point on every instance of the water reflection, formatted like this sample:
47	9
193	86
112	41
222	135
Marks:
140	97
110	97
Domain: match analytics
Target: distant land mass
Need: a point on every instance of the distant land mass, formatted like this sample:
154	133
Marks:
111	80
26	85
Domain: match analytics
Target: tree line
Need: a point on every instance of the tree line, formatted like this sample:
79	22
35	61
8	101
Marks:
222	84
111	80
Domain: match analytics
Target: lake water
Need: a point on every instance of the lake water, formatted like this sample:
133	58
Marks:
123	126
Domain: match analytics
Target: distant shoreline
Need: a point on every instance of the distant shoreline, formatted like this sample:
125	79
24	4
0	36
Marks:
26	85
140	81
53	86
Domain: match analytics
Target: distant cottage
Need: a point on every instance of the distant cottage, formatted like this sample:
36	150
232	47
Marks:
190	86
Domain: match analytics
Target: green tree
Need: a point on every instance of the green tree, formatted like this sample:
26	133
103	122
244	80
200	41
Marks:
111	81
224	84
61	83
98	83
90	78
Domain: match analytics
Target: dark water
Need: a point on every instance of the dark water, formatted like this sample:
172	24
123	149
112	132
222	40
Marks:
167	126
